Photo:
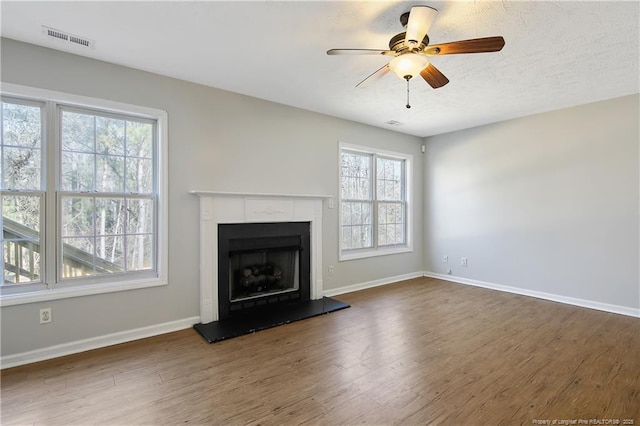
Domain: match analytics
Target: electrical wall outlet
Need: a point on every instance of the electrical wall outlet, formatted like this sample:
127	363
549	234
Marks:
45	316
464	261
445	259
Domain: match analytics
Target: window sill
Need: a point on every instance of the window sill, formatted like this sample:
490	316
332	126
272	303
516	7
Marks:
363	254
77	291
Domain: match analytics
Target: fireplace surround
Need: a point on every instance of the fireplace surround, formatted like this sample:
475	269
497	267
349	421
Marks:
226	208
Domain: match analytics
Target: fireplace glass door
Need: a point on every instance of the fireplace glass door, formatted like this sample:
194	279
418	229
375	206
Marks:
255	273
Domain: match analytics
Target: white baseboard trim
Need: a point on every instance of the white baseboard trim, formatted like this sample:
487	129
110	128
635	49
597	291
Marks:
371	284
616	309
95	342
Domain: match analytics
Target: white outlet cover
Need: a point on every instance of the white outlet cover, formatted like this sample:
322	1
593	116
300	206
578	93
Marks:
45	316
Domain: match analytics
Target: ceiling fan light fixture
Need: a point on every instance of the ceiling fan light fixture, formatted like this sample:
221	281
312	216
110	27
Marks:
408	65
419	22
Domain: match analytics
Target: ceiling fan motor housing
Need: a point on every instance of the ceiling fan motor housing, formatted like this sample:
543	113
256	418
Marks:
404	19
397	43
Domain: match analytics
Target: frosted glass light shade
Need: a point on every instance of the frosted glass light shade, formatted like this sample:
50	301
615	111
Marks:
409	64
420	20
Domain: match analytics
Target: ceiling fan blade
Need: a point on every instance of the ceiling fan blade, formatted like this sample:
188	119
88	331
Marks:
377	75
433	76
360	52
420	20
476	45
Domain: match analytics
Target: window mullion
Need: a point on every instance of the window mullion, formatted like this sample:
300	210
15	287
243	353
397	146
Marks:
405	213
2	166
374	200
49	212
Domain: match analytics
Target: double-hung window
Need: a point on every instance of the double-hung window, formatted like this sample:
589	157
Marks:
83	193
374	202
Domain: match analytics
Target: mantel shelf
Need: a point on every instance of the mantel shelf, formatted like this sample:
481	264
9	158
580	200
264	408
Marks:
255	194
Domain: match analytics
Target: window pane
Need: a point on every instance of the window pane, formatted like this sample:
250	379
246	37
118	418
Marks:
389	182
391	223
21	168
21	261
77	216
346	213
367	236
21	238
78	132
21	146
109	136
139	216
356	237
78	171
78	258
400	233
356	180
382	235
139	139
109	255
22	211
110	216
140	252
139	176
109	173
112	230
356	213
346	237
356	225
21	125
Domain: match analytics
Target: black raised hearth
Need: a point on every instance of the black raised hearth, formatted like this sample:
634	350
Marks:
266	317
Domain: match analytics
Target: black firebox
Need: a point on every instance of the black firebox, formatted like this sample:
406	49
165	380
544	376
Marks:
262	265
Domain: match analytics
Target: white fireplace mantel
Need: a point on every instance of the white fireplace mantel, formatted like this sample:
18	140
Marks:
234	207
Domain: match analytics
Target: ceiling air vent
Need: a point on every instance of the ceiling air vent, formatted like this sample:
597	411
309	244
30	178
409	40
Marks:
66	37
393	123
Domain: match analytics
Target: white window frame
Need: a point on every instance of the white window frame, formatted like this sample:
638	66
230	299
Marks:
351	254
16	295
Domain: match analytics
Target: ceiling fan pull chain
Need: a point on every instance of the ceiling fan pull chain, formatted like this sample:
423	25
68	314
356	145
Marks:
408	106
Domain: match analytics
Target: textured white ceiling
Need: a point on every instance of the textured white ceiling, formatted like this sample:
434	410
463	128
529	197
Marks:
557	54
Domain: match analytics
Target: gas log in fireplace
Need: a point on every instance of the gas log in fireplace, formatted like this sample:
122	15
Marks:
262	265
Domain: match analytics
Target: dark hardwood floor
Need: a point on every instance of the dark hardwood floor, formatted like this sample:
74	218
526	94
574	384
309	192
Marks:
416	352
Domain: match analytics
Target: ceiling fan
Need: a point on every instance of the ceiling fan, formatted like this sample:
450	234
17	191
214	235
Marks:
411	50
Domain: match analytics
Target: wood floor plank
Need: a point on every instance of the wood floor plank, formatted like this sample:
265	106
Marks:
416	352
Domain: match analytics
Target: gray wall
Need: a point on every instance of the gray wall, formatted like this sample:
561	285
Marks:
217	141
547	203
